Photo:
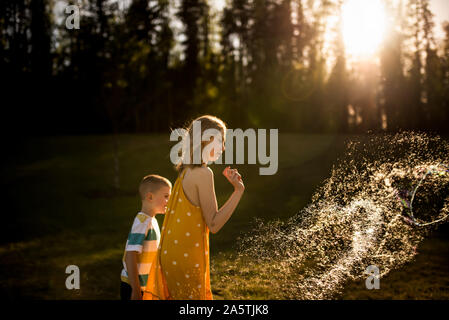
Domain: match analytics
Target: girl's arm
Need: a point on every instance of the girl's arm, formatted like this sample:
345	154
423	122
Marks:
216	218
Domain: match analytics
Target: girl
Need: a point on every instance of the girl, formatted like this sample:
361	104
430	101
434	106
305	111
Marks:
181	270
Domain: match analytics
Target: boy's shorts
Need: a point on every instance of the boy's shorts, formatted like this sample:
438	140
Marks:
126	291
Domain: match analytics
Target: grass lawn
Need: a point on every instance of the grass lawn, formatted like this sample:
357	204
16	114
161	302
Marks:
60	211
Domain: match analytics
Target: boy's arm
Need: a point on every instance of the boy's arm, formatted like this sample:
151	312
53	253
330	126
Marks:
133	274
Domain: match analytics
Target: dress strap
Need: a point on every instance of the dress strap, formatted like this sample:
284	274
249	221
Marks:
183	173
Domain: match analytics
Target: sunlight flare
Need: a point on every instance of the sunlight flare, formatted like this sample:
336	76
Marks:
364	24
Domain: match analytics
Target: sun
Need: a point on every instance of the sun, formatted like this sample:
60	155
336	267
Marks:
218	4
364	23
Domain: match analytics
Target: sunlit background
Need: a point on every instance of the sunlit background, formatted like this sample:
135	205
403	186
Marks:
364	23
325	65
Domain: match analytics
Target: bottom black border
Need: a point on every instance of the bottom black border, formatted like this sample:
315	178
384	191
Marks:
229	309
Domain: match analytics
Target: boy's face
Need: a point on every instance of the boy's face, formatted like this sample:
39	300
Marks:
159	199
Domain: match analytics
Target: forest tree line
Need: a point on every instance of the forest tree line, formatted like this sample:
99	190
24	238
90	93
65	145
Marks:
258	63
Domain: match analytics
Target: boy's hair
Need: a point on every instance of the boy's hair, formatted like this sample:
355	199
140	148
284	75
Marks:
152	183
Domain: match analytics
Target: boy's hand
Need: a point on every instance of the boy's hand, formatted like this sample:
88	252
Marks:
136	295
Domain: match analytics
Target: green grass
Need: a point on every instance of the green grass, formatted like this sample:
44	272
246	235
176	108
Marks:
61	212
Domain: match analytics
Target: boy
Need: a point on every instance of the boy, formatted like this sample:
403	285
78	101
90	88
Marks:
143	240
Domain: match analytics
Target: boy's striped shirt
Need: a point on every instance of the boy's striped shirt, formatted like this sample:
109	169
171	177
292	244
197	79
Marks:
143	238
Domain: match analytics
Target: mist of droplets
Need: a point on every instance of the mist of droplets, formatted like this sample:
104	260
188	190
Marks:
354	219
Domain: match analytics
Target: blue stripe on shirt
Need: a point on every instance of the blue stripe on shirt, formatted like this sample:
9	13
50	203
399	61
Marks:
143	278
151	235
136	238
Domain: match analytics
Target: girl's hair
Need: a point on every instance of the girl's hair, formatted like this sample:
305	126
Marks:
207	122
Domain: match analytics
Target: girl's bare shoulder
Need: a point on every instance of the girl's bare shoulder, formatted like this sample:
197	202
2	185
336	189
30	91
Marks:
200	173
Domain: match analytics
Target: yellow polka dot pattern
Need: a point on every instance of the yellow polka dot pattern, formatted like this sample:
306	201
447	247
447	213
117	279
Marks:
181	270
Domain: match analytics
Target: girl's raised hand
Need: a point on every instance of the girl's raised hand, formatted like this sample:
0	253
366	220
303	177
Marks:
234	178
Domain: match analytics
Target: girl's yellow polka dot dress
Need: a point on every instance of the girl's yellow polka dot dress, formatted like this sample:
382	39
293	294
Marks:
181	269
